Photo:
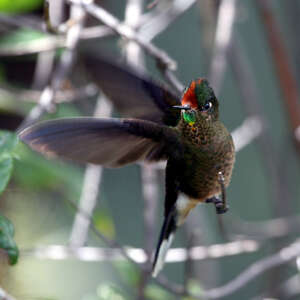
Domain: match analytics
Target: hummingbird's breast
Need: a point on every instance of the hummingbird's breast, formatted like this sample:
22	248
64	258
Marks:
207	150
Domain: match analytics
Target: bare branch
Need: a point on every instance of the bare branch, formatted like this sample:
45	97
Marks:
225	21
281	257
287	80
126	32
46	103
158	22
138	255
243	135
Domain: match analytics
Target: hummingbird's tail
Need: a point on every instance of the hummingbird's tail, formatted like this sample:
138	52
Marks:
165	240
173	220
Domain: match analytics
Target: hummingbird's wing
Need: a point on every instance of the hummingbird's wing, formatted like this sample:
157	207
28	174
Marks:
133	93
108	142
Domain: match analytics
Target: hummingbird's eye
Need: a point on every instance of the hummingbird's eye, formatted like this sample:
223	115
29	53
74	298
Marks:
207	106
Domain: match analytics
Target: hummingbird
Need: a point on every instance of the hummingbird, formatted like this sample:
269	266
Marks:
156	125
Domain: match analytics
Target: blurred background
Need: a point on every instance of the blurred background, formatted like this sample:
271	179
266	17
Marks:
250	51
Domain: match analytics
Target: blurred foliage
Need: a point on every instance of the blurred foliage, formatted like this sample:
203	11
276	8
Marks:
194	288
109	291
128	272
104	223
32	171
20	36
18	6
8	142
155	292
7	242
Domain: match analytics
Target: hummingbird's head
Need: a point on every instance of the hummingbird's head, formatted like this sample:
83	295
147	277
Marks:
199	99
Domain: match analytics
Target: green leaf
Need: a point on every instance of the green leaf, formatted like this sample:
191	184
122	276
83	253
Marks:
155	292
109	291
128	272
104	223
8	141
194	288
6	240
17	6
20	37
33	171
6	165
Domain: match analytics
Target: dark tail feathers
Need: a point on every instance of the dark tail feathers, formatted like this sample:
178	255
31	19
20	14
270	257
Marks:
164	242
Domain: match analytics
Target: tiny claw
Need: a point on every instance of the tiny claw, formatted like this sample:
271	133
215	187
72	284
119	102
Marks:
221	209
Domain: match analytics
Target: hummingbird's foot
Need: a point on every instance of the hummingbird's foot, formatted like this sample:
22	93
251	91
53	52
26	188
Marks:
221	207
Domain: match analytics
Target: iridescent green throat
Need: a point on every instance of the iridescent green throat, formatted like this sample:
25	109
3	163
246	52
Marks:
189	117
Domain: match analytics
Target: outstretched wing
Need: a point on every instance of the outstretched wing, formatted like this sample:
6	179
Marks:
109	142
133	93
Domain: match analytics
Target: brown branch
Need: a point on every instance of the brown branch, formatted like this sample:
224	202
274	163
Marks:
282	65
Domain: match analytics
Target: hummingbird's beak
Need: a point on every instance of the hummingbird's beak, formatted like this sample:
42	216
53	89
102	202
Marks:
185	107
